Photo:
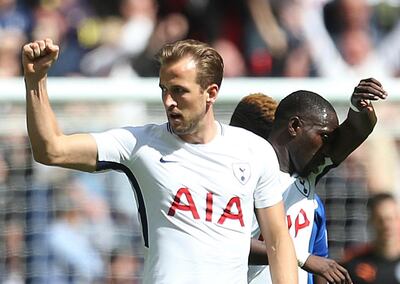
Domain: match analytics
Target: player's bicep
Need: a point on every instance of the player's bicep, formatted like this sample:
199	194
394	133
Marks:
272	222
78	151
115	145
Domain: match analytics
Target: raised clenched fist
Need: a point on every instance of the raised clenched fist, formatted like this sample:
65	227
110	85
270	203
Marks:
37	58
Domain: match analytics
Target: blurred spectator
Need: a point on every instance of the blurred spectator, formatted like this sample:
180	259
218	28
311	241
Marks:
298	63
12	238
171	28
88	193
74	258
11	42
352	51
14	179
124	268
268	26
234	63
4	171
378	261
14	16
382	147
264	40
51	23
207	19
14	261
275	45
286	38
127	39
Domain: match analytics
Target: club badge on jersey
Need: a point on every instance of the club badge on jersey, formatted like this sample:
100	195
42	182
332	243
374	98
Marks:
303	185
241	172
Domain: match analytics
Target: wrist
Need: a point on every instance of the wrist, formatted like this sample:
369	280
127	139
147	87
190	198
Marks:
301	259
34	83
364	104
353	107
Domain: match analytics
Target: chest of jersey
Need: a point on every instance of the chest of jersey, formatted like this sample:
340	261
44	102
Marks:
300	209
196	184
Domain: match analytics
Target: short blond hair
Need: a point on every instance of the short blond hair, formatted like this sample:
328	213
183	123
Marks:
209	63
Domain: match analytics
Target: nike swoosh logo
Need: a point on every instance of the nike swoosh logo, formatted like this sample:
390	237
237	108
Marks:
167	161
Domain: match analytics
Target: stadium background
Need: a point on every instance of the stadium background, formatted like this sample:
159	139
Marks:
62	226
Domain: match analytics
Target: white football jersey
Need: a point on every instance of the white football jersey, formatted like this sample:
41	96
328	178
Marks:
195	201
306	222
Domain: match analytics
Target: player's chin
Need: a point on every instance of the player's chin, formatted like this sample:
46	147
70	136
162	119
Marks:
178	128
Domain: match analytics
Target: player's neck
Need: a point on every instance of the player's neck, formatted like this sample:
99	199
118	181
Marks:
279	142
283	157
205	132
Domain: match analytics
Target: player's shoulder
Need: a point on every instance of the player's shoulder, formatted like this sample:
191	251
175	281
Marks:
256	146
150	129
133	134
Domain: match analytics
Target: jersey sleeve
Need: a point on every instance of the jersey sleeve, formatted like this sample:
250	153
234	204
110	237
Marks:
268	192
319	238
116	145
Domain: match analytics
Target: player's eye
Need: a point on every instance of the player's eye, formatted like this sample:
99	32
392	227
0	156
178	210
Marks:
325	138
177	90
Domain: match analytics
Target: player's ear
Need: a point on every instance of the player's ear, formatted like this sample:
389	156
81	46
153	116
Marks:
294	125
212	93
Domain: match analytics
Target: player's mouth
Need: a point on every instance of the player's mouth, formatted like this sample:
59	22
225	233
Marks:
174	115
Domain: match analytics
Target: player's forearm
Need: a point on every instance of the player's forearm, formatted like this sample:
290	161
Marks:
352	133
282	259
363	122
42	125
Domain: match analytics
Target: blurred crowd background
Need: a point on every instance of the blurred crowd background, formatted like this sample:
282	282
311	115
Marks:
61	226
273	38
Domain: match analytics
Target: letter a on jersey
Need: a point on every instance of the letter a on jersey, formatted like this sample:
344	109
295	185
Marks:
241	172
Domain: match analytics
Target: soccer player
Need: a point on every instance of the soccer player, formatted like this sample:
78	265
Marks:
196	180
309	142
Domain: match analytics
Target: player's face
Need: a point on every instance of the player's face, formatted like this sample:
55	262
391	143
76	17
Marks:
183	98
312	143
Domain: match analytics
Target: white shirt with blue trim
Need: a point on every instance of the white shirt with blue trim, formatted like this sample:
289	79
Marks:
195	201
306	222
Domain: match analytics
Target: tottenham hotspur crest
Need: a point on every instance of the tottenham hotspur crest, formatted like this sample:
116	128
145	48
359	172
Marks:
303	185
241	172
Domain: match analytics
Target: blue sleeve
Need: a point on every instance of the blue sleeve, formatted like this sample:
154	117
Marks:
319	238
